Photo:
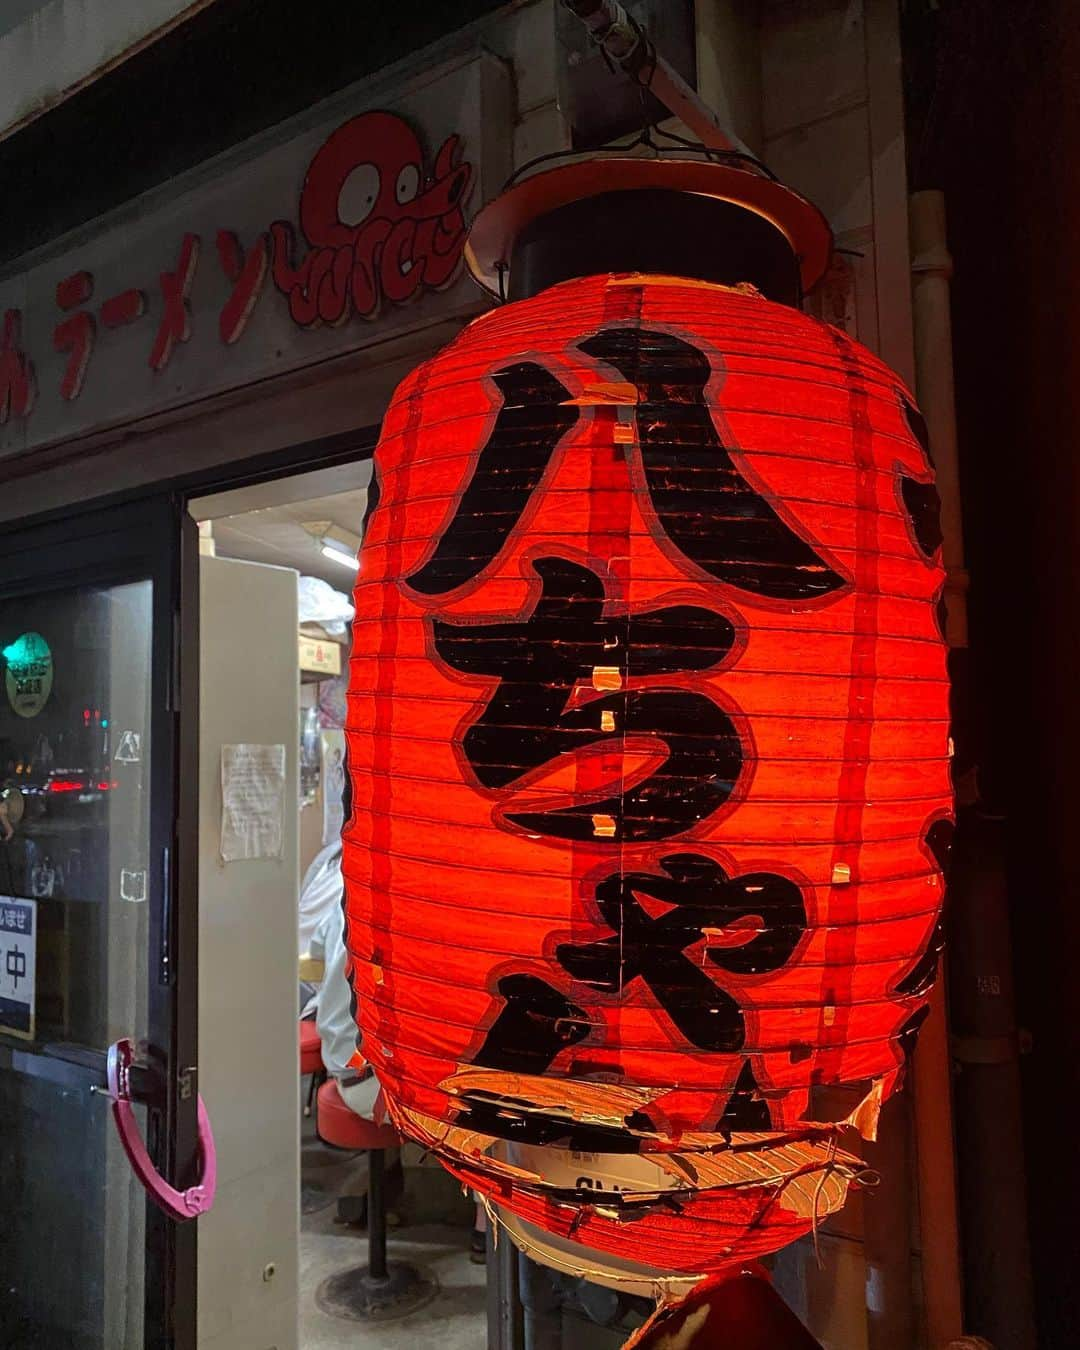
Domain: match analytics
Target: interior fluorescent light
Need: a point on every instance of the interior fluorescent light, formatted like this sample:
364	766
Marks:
340	555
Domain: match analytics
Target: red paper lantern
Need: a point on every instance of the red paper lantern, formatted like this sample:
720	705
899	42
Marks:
648	730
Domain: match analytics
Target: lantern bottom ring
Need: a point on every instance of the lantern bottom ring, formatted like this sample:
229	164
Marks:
563	1254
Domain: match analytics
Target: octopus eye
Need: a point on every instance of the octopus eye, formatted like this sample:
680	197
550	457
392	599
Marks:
408	184
358	195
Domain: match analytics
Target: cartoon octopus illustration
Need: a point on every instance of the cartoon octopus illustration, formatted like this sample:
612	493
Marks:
377	227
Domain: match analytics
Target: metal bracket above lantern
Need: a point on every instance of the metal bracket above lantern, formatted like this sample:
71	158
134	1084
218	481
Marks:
702	215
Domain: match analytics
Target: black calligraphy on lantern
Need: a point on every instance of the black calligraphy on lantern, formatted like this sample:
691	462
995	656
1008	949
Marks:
705	904
570	673
540	661
534	416
703	504
712	514
922	505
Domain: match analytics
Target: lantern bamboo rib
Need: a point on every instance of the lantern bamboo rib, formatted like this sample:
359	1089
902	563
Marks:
791	847
363	734
818	930
794	1085
553	916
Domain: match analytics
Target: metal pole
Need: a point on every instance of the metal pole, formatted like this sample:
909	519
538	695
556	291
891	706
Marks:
505	1328
887	1234
376	1215
993	1194
935	1147
943	1293
984	1044
631	49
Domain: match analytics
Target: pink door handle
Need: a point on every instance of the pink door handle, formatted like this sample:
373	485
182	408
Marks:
187	1204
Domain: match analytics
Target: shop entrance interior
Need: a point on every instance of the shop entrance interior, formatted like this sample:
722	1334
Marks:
277	565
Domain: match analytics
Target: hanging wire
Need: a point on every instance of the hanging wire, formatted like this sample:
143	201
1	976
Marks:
645	85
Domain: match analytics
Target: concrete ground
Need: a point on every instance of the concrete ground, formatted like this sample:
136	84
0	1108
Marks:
433	1233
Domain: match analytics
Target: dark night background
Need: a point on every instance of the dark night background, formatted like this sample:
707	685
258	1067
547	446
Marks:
994	97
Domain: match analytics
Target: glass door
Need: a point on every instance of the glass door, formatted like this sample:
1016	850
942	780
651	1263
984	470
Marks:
92	937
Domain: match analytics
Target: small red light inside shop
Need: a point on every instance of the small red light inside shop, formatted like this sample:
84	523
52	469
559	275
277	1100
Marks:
648	731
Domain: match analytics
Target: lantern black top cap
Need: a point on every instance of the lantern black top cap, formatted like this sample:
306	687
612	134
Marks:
690	217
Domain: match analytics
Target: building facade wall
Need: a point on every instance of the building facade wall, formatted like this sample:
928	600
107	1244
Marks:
814	85
49	49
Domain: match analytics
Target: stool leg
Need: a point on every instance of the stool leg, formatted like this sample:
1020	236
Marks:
382	1289
376	1215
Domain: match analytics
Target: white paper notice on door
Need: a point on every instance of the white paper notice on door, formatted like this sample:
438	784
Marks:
333	784
252	801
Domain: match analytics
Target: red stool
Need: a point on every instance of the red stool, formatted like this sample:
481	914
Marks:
747	1308
311	1059
382	1289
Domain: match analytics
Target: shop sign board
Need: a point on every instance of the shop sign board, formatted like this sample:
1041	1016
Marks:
338	230
28	674
18	959
319	657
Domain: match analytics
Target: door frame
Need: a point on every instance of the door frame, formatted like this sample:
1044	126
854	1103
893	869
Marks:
305	457
111	545
172	1248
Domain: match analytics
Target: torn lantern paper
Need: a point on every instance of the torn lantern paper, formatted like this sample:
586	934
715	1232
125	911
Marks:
252	801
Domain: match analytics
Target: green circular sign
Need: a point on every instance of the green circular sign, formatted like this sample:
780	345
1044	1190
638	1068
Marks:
29	674
12	807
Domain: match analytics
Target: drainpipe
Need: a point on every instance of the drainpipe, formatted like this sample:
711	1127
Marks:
935	1146
936	1174
887	1233
629	47
998	1299
984	1045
